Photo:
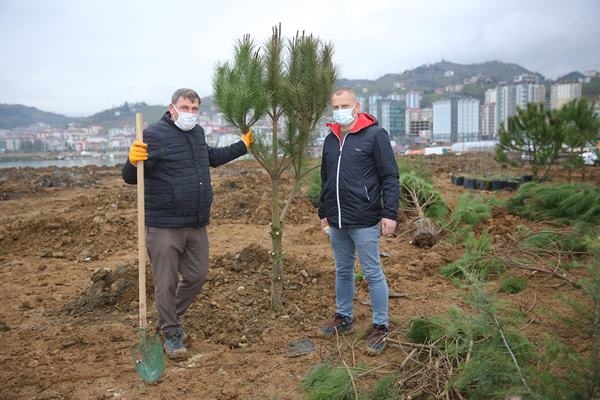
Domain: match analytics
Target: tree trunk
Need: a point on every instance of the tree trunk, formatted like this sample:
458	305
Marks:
425	233
277	253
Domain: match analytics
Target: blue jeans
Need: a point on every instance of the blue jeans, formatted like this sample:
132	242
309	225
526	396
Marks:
346	243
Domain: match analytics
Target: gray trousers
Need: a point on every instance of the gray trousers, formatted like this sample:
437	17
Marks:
175	251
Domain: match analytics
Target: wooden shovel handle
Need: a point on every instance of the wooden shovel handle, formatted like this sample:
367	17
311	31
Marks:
139	135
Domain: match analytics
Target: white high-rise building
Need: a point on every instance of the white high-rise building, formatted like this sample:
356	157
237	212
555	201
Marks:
529	93
467	116
562	93
442	120
413	99
491	96
489	114
488	127
505	106
456	120
372	101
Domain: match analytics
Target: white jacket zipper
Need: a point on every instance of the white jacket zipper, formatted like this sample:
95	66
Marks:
337	183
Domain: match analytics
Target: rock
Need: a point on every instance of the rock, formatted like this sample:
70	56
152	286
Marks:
26	305
100	273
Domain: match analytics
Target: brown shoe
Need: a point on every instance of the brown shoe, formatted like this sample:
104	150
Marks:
377	340
339	324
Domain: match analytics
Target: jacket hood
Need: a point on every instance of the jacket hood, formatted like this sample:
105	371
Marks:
363	121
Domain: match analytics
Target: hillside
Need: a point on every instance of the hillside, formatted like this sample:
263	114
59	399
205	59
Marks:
15	115
429	77
124	115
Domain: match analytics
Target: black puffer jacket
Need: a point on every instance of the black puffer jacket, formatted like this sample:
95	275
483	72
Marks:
178	191
359	176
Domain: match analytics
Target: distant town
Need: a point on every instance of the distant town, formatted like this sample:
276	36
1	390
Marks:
456	121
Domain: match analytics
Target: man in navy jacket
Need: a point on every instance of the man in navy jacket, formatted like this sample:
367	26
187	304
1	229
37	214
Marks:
178	197
358	203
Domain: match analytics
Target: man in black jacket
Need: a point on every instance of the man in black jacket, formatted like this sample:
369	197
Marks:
178	197
358	203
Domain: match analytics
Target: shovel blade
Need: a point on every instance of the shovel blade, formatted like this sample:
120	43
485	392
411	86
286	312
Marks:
148	358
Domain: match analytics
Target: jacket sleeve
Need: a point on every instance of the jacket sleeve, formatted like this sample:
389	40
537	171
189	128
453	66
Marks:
321	205
387	170
222	155
129	171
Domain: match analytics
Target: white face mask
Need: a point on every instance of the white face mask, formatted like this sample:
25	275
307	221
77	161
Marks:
343	116
185	121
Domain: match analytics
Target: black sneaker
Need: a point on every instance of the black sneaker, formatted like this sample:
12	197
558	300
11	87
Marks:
174	347
376	341
339	324
182	335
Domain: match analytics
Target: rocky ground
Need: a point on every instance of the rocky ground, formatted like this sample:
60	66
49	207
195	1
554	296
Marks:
68	283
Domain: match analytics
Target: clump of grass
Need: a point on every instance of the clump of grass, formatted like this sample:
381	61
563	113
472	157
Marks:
476	259
324	382
512	284
470	210
359	276
384	389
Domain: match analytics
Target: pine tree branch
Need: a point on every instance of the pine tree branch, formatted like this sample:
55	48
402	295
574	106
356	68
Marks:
512	355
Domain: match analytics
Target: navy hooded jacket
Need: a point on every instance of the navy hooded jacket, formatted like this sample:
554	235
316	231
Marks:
359	176
178	191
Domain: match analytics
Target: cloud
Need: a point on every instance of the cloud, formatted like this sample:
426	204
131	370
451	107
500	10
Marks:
80	57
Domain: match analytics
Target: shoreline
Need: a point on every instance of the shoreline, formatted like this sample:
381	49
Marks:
21	156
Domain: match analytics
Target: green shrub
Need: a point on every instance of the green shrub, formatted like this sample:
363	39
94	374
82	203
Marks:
550	239
568	204
512	284
314	186
427	198
417	165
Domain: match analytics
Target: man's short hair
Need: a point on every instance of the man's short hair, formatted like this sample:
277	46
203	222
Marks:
339	91
189	94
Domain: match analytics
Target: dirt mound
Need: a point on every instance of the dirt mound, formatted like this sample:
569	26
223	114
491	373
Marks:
75	237
111	289
234	307
247	199
16	182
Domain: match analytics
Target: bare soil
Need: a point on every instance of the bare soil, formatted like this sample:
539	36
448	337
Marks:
68	283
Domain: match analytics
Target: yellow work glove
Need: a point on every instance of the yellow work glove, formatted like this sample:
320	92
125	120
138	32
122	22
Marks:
138	152
248	139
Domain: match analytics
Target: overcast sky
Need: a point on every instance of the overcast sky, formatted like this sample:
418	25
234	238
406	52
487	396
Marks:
78	57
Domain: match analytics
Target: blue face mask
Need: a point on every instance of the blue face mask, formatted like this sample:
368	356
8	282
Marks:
344	116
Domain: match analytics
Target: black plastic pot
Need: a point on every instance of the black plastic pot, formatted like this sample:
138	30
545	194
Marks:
483	184
460	181
527	178
511	185
469	183
498	184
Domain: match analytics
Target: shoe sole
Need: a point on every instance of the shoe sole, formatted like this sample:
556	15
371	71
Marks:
323	334
177	355
373	352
